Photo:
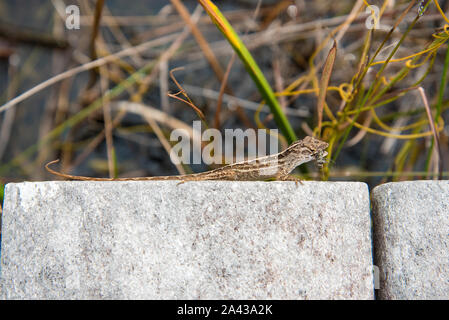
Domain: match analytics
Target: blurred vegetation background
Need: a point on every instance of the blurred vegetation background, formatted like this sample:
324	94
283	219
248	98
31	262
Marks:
382	104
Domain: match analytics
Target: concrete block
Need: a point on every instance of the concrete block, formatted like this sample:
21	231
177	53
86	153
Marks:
196	240
411	239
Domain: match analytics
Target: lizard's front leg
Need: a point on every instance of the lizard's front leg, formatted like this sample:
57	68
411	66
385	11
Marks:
288	177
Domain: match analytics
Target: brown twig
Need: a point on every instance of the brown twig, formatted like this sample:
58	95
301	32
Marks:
325	77
183	92
194	107
439	163
222	90
163	86
107	122
92	47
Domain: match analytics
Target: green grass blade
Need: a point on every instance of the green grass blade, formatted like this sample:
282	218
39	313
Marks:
439	103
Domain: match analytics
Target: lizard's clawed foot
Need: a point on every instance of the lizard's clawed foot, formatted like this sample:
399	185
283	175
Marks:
291	178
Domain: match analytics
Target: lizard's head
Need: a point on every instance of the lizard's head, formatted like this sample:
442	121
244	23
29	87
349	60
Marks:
309	149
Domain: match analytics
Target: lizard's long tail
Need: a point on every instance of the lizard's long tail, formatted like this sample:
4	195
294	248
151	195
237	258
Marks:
83	178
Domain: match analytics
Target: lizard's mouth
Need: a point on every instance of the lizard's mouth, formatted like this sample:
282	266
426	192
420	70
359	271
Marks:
321	158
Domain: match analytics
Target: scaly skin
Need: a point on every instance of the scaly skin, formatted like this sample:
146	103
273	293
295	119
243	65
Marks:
277	166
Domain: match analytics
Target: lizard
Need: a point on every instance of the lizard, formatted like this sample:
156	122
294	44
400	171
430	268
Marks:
277	166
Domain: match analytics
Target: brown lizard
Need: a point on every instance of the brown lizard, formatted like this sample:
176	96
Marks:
277	166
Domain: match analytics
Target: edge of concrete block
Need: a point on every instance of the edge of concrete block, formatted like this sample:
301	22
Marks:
410	234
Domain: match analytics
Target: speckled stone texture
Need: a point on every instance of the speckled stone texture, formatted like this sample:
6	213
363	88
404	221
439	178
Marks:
411	239
196	240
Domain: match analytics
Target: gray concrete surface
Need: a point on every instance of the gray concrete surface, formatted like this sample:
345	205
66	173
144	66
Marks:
411	239
197	240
